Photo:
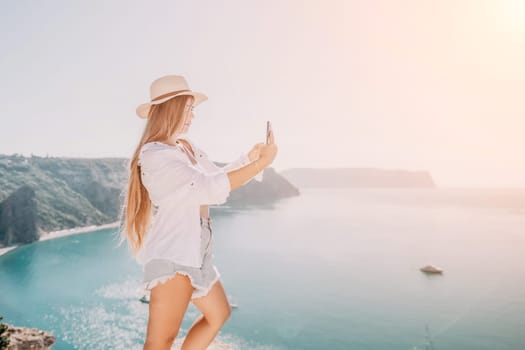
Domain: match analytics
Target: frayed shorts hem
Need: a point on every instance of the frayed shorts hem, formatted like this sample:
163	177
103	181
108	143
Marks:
198	290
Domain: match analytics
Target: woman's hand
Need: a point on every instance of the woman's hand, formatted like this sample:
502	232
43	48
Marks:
255	151
263	154
267	152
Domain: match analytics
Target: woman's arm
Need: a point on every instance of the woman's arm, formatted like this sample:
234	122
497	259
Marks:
266	155
240	176
169	172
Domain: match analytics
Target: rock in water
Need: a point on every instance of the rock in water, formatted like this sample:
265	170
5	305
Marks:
21	338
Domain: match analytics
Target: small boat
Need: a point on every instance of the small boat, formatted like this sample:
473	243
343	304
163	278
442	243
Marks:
234	306
431	269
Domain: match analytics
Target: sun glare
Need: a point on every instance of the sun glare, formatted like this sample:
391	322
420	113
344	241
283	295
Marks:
512	16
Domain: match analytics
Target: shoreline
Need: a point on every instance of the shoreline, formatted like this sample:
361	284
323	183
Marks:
63	233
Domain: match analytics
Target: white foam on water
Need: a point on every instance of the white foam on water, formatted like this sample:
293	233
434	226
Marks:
129	289
120	323
237	343
95	327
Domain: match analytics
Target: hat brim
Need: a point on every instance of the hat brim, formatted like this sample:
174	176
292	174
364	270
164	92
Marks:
143	109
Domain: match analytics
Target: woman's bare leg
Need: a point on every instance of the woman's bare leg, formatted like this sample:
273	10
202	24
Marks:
215	310
167	305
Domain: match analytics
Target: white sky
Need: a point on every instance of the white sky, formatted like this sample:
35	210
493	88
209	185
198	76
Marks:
408	84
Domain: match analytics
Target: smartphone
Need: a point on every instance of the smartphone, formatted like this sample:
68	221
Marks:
268	128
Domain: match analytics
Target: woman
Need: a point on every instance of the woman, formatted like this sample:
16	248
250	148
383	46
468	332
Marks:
167	223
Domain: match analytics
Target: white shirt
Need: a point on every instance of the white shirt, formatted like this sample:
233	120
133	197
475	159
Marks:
177	188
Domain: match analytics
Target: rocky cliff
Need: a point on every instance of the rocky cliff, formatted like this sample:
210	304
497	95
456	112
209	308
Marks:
21	338
272	187
18	217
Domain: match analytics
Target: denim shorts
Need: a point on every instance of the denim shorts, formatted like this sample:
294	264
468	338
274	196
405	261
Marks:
202	279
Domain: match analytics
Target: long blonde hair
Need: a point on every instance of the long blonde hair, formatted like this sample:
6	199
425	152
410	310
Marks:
164	120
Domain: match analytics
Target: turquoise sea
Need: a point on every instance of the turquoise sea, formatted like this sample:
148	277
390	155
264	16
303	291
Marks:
329	269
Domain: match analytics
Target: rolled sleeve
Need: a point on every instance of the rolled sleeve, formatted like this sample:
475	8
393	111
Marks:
169	175
209	188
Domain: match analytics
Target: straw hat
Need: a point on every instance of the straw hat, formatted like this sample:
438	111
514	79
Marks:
166	87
